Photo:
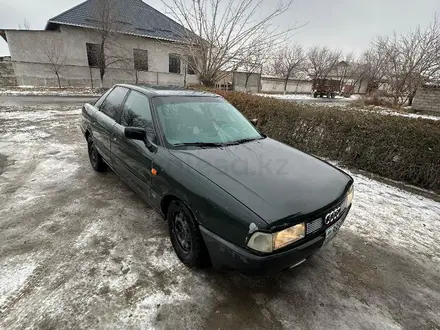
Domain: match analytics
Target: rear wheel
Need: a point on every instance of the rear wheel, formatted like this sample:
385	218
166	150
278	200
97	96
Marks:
185	236
95	158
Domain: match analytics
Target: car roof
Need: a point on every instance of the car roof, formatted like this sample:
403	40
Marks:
156	90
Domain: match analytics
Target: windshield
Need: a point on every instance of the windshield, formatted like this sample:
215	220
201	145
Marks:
202	120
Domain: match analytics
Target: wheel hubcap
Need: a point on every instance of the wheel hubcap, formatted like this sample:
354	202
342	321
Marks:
181	231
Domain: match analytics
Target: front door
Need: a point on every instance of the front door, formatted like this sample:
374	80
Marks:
104	120
131	158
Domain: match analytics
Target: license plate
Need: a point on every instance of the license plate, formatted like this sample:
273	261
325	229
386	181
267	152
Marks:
331	232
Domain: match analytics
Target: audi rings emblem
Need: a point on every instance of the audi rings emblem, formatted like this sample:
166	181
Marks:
332	216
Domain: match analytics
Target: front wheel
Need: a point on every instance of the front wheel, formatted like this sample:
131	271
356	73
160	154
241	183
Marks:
185	236
95	158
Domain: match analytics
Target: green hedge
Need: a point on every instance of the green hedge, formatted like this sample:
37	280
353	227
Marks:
396	147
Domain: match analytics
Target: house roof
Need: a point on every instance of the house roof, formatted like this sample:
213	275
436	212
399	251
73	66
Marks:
130	17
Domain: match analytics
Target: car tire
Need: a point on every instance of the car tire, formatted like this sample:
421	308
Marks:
185	236
96	160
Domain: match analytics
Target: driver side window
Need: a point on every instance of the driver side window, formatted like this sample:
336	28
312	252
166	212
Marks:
137	113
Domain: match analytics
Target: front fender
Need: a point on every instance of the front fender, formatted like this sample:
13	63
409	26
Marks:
213	208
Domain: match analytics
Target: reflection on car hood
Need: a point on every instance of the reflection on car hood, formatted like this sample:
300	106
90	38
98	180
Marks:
272	179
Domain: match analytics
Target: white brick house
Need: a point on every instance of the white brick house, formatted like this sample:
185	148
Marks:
148	44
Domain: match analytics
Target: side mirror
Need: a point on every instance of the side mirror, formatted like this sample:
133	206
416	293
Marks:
135	133
254	121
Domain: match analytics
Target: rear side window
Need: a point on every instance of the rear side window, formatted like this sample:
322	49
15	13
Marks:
112	104
137	113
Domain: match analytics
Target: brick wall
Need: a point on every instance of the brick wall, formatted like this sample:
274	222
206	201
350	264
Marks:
427	100
7	75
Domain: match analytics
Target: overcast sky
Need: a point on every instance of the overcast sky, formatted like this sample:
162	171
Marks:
344	24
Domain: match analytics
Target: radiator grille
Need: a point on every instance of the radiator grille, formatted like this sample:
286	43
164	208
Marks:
314	225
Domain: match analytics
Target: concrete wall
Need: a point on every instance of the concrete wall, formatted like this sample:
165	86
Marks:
427	100
31	64
360	87
253	82
7	76
276	85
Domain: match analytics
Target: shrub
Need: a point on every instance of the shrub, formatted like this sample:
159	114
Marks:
396	147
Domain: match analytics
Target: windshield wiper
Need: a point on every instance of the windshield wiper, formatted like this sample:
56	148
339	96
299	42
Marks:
244	141
199	144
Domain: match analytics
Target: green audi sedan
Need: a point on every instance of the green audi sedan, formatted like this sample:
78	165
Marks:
233	197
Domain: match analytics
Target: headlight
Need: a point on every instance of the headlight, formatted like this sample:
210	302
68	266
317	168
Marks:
348	198
264	242
261	242
288	236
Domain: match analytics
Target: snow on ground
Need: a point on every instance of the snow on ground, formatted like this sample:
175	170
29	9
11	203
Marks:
408	221
341	103
39	91
288	96
305	97
14	274
389	112
79	249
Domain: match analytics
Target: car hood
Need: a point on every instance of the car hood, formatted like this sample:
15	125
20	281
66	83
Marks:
272	179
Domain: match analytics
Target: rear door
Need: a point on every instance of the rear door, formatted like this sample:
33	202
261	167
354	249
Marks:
104	120
131	158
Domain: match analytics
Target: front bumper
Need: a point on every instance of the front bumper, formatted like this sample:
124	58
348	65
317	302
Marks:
227	256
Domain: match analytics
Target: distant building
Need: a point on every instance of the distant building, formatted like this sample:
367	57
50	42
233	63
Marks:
146	48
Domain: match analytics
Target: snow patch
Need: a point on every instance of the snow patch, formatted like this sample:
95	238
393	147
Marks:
408	115
288	96
304	96
25	136
146	310
167	261
406	221
92	230
38	91
14	273
30	114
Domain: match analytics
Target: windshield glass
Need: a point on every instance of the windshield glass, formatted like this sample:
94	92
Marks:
198	120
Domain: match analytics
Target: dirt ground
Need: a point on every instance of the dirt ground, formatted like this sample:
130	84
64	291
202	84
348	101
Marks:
80	250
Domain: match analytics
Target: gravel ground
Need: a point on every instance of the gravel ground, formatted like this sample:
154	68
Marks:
79	249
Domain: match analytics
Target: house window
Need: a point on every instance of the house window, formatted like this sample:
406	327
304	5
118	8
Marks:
191	65
93	54
174	63
140	59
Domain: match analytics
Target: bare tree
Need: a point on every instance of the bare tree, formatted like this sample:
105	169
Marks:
52	52
322	61
253	61
345	70
373	64
220	33
111	53
409	60
140	61
289	61
26	25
